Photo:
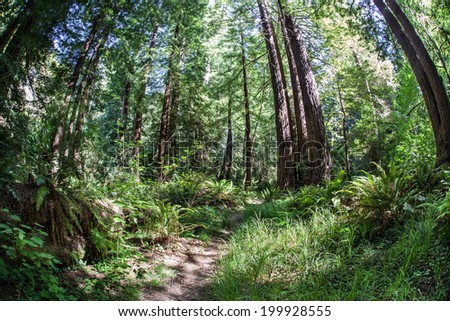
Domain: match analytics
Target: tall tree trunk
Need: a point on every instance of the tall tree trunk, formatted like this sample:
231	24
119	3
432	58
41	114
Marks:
174	104
439	52
164	128
431	85
139	101
248	138
285	165
225	170
301	134
124	122
71	90
344	131
319	158
80	103
22	16
173	124
84	92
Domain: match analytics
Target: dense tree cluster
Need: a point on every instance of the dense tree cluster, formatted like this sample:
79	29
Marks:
86	85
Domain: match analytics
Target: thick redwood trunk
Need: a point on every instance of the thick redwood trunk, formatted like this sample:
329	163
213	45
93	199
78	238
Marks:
430	82
319	159
285	164
301	134
164	127
174	104
248	138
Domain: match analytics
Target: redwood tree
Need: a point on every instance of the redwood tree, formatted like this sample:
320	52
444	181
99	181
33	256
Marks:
316	147
285	168
57	144
137	123
301	134
430	82
164	127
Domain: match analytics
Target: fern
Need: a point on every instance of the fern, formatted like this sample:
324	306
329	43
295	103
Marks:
382	197
41	194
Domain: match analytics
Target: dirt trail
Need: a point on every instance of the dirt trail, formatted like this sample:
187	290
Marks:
194	262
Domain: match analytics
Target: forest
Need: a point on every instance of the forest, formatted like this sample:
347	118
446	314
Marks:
225	150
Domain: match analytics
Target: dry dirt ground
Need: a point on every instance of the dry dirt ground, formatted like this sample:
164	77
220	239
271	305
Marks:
180	271
193	263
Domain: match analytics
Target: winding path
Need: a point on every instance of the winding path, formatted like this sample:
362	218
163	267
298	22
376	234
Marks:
194	262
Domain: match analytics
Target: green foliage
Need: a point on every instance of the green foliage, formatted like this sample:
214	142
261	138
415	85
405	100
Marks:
103	206
42	192
382	198
197	189
26	266
309	198
270	194
202	222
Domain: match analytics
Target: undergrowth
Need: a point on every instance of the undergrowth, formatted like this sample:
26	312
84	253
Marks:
72	243
380	236
376	237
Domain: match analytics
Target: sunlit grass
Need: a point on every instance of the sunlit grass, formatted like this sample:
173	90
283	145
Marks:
326	258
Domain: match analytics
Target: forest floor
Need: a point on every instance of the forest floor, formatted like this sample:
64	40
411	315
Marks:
180	270
193	262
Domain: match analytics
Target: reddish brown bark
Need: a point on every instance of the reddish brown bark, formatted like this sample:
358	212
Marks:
285	164
319	159
164	127
430	82
301	134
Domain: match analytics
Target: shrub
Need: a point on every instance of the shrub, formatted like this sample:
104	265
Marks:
26	266
309	198
197	189
380	199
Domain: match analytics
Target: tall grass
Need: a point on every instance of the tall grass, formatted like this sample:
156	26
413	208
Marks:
323	259
329	255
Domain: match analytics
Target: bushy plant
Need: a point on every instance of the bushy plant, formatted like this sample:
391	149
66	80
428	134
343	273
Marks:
381	198
308	198
196	189
25	264
269	194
